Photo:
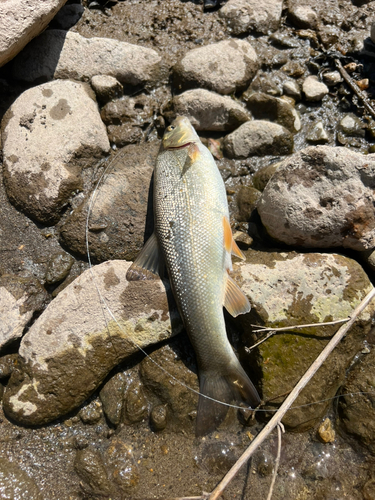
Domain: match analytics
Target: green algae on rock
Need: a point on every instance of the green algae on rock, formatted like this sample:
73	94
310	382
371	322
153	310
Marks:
295	289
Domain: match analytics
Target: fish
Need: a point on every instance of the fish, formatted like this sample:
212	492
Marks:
193	239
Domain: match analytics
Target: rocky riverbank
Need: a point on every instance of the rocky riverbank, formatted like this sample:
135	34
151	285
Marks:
281	93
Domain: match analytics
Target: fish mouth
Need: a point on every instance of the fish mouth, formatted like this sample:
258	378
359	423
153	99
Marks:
180	147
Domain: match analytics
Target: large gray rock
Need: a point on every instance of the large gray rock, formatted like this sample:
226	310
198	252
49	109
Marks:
244	16
223	67
15	483
81	337
209	111
268	107
21	21
60	54
356	408
120	213
322	197
287	288
20	298
258	137
50	133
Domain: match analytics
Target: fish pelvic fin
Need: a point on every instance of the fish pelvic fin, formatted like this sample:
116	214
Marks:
229	244
235	385
235	301
149	264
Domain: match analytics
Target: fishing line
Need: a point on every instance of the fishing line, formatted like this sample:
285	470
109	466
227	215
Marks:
93	197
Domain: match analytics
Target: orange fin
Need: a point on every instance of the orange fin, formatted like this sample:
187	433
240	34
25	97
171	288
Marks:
235	301
193	155
229	244
236	251
227	235
194	152
147	264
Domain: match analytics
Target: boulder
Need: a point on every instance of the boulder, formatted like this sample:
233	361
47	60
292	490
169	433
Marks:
223	67
210	111
121	212
356	405
92	325
20	298
322	197
289	288
66	54
258	137
21	21
244	16
268	107
50	134
16	483
106	88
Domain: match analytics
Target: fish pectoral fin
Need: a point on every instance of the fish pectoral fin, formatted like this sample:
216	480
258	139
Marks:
235	301
229	244
148	264
193	155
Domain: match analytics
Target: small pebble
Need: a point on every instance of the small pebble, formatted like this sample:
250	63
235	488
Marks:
243	240
332	78
326	433
158	417
292	89
352	125
314	89
317	134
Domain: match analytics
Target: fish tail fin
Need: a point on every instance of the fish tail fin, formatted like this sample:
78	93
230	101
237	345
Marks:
234	385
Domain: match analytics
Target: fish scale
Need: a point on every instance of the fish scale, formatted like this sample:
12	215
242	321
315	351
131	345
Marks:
193	236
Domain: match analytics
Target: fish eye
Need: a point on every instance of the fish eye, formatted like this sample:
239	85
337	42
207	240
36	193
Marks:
171	127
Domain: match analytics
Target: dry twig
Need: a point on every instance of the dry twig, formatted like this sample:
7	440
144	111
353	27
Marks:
272	331
280	428
276	419
354	87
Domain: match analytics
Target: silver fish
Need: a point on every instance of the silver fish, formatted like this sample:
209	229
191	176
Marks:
194	238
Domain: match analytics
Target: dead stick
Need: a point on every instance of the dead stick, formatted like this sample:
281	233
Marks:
272	331
291	398
280	428
261	328
355	87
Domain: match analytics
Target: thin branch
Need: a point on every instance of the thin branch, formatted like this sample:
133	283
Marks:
272	331
276	419
293	327
280	428
358	92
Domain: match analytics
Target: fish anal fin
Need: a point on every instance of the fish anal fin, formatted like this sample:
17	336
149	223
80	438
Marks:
147	265
235	301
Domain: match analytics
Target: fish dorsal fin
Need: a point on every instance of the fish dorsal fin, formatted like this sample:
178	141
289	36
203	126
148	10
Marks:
147	265
235	301
229	244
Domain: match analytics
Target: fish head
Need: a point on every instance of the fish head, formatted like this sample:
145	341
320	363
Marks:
179	134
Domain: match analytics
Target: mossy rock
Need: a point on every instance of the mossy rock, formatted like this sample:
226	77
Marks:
289	288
